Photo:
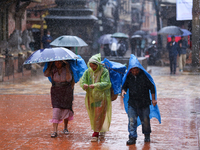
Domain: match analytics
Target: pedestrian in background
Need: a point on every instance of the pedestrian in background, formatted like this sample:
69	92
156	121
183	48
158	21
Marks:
46	40
61	94
172	48
139	92
96	82
183	45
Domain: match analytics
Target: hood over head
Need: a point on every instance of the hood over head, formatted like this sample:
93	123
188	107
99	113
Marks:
96	59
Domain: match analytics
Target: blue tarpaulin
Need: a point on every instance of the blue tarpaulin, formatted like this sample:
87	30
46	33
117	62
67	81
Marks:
154	110
77	66
116	71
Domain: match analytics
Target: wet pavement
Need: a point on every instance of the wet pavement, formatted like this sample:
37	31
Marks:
26	109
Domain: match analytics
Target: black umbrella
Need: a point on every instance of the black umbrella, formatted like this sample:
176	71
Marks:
171	30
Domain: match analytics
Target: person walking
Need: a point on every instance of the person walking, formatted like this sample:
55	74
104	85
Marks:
139	93
96	82
183	45
46	40
61	94
172	48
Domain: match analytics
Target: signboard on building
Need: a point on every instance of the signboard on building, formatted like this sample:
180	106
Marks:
184	9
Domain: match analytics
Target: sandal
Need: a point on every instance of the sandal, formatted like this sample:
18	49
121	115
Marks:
65	131
53	135
94	139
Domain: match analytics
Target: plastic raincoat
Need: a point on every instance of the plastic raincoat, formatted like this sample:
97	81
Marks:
98	100
154	110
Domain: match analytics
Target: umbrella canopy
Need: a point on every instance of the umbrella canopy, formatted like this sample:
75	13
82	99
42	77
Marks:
136	36
119	35
105	39
68	41
154	34
185	32
140	32
51	54
171	30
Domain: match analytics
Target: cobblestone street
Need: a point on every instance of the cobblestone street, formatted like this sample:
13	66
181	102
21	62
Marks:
26	110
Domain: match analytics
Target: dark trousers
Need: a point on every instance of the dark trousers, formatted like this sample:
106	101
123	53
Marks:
133	114
172	61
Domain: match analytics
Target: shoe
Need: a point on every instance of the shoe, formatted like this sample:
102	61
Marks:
102	134
147	138
95	136
94	139
53	135
131	141
65	131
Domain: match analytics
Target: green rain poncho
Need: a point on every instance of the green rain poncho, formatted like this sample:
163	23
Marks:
98	100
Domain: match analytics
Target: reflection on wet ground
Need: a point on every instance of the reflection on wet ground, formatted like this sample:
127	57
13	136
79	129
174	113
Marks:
26	108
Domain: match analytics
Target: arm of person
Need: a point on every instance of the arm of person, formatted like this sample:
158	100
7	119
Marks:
84	81
185	45
152	89
72	83
68	72
124	88
47	72
43	39
169	46
154	102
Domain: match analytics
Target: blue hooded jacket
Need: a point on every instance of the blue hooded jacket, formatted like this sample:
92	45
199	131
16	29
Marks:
154	110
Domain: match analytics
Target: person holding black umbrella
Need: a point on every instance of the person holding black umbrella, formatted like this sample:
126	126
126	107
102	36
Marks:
172	47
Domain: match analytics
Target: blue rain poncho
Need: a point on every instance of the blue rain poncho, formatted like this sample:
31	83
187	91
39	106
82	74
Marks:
116	71
78	67
154	110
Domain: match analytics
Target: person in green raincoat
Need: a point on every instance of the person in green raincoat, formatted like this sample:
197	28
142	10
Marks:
96	82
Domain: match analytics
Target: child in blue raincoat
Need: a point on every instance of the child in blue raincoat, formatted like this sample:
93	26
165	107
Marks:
139	93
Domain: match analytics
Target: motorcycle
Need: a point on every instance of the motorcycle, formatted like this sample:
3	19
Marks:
152	53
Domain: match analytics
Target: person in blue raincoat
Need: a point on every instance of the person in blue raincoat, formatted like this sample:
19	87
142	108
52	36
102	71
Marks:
139	93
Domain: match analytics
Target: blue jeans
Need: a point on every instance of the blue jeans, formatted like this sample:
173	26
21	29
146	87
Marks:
133	114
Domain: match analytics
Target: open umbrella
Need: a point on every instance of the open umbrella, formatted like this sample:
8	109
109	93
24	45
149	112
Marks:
51	54
185	32
140	32
105	39
171	30
119	35
136	36
68	41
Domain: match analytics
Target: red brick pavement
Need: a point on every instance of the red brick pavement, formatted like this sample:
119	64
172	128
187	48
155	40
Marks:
24	125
